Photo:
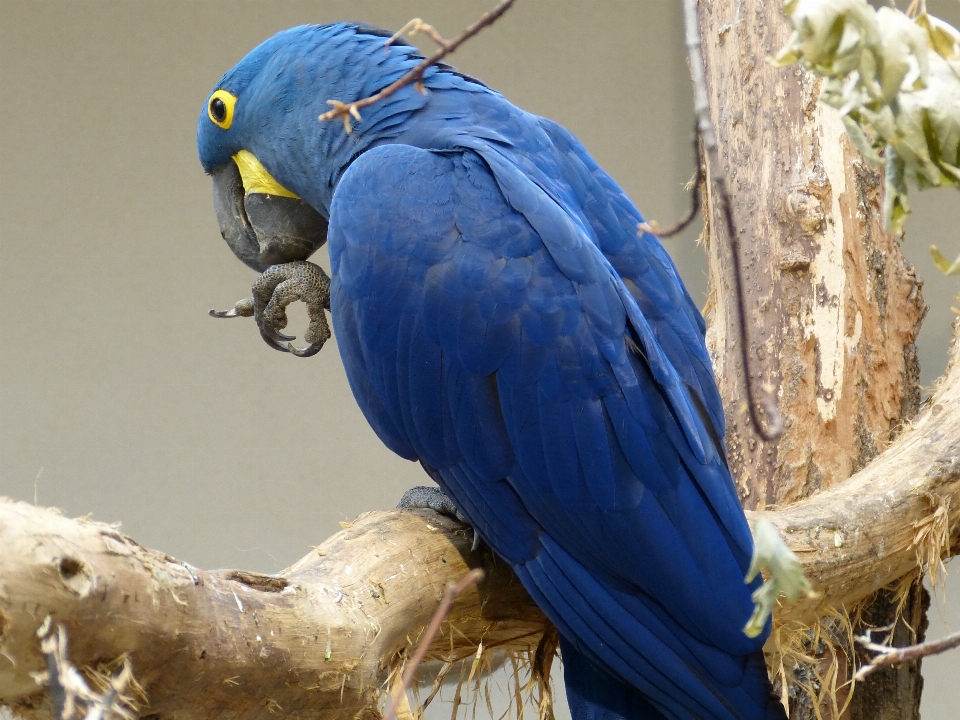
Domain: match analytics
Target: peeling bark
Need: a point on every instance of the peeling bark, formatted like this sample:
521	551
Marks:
863	534
833	306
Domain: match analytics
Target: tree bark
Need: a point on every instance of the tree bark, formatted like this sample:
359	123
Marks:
833	307
318	640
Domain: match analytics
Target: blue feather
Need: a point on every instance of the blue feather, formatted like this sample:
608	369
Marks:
502	321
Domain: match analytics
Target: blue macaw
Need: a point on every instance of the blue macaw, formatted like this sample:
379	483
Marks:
503	322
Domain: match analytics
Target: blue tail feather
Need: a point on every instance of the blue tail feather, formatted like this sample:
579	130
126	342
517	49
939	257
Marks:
593	693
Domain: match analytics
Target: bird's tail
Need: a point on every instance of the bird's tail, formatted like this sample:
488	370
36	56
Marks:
594	693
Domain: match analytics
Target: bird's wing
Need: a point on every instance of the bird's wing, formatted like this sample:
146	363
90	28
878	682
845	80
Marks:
485	334
643	264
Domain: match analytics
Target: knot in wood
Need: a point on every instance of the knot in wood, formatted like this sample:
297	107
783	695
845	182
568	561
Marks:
794	260
805	211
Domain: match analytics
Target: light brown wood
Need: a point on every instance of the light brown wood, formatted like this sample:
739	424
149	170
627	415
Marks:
315	641
833	307
833	311
881	524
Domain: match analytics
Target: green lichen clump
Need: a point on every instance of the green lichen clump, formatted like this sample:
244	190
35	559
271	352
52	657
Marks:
785	574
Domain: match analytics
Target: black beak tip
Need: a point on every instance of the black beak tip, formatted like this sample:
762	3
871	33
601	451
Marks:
264	230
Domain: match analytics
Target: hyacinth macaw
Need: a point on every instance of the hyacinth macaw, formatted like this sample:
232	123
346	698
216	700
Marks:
503	322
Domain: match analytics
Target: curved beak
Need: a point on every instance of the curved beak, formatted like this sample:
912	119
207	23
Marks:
264	228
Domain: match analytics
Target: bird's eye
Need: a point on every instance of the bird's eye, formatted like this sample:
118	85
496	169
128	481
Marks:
220	108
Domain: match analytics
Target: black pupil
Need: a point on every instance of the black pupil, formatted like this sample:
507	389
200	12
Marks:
218	110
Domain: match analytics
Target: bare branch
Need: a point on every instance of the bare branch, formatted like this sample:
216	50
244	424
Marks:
695	190
317	640
887	655
409	672
346	110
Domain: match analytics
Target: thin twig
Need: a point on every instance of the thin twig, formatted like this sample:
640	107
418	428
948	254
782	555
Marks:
917	7
654	227
540	671
451	594
774	425
892	655
346	110
69	692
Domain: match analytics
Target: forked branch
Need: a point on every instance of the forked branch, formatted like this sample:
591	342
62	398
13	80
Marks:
887	655
346	110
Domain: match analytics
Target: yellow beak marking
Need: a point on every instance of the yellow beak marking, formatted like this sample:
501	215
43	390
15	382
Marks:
256	179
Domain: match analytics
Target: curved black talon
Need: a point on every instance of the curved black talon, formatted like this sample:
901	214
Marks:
242	308
281	345
246	308
268	333
308	351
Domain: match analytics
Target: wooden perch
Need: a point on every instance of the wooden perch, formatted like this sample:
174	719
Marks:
322	637
317	640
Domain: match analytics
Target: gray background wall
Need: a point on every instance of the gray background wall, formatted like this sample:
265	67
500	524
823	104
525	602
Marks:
120	397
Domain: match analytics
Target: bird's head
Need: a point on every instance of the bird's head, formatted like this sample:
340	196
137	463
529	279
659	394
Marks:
273	162
240	135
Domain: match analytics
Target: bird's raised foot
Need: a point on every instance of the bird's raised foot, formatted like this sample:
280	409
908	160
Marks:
273	290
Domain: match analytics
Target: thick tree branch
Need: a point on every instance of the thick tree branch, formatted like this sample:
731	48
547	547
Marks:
323	636
318	640
429	634
900	512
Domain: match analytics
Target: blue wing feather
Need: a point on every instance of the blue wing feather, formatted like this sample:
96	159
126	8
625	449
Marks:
504	365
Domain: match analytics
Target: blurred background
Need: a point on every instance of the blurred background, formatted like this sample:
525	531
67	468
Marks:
121	398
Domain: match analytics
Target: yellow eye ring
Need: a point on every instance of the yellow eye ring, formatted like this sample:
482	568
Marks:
220	108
